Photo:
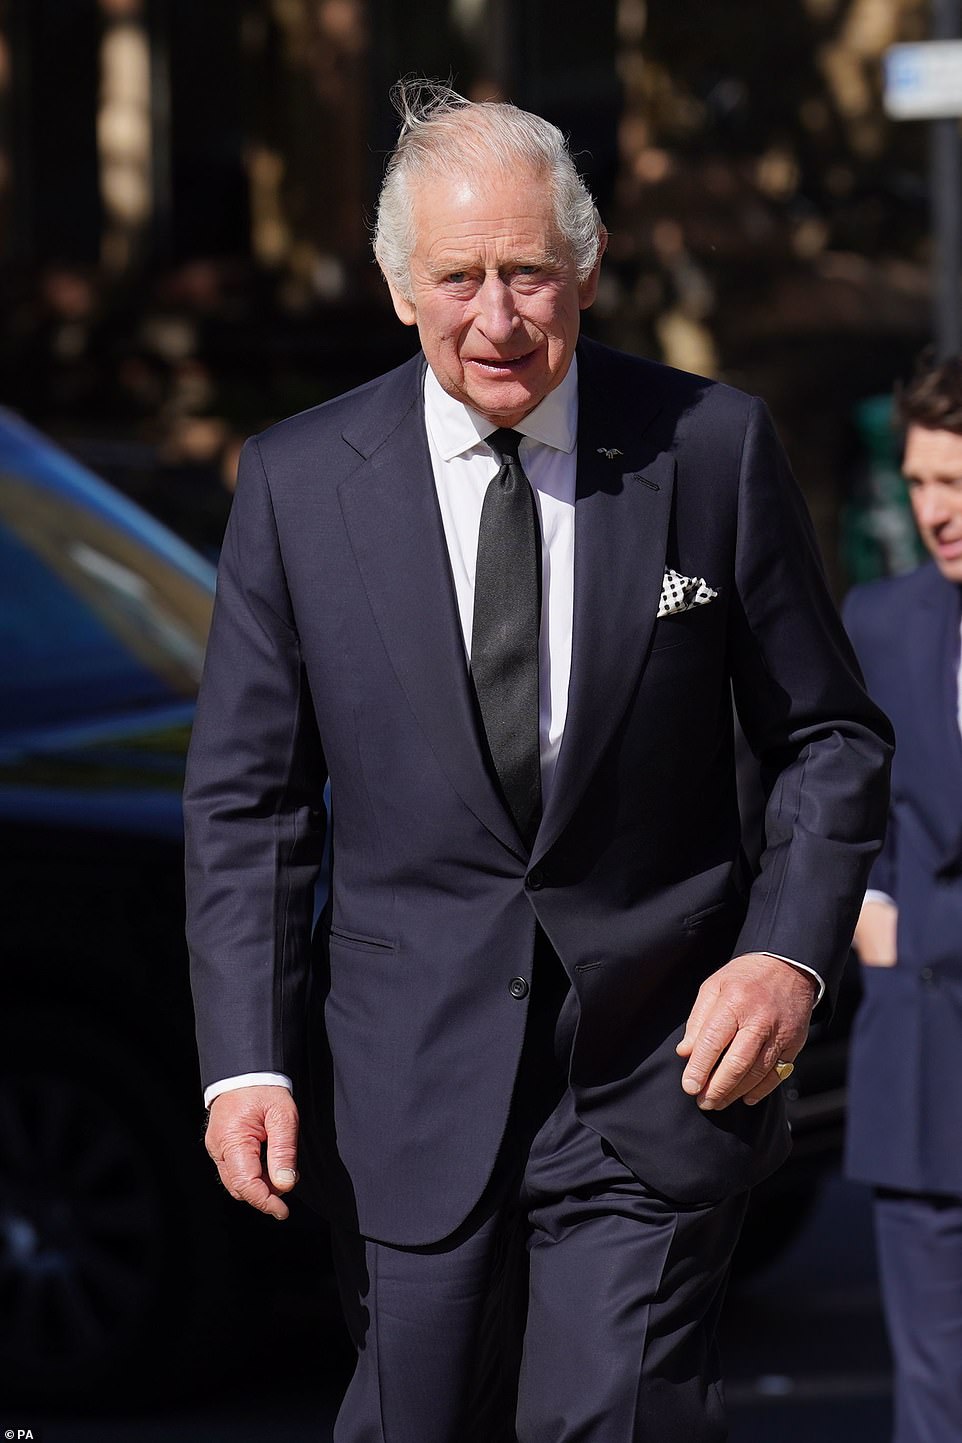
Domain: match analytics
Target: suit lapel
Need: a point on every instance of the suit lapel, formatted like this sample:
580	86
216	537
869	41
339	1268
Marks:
932	641
622	510
948	740
390	509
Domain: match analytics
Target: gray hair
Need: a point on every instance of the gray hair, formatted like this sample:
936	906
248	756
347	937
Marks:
443	134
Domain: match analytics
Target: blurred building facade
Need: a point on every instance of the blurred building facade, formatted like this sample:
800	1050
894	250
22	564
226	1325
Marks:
186	191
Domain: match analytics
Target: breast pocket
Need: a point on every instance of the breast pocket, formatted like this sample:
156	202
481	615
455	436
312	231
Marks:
684	628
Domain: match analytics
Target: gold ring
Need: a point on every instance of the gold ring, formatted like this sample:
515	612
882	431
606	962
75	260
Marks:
784	1070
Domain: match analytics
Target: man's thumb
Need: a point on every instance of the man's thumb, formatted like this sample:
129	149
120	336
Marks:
282	1157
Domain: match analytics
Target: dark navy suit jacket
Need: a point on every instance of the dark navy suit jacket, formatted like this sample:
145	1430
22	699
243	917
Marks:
336	652
904	1128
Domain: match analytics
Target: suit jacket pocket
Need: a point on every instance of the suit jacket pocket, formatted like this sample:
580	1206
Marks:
682	627
707	914
360	940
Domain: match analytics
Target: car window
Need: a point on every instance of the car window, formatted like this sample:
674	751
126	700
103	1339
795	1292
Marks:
93	619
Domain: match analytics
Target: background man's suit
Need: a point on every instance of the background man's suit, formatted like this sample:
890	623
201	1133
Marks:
335	651
904	1132
907	1134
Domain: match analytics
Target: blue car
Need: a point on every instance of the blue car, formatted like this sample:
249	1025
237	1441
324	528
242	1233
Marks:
119	1250
103	622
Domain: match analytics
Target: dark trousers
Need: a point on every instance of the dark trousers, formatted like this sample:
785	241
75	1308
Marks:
573	1304
919	1239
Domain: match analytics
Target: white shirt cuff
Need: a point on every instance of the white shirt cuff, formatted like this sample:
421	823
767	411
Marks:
874	895
246	1079
800	967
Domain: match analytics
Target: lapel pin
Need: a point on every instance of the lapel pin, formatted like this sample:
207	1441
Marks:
610	451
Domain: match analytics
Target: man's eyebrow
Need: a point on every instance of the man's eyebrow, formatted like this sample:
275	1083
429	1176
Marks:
953	473
546	260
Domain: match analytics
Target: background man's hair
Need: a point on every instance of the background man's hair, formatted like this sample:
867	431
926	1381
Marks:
443	134
933	397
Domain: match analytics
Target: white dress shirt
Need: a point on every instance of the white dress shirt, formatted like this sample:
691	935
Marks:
463	466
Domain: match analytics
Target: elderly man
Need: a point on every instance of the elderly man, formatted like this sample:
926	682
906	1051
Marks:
903	1131
500	598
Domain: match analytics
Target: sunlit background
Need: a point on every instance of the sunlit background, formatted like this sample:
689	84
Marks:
186	191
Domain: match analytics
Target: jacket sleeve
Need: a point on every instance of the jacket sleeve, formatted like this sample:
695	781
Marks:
884	874
824	747
253	808
855	610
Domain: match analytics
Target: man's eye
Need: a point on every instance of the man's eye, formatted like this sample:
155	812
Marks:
456	278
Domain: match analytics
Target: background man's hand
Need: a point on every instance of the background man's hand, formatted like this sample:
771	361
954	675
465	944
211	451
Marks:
241	1122
750	1014
875	934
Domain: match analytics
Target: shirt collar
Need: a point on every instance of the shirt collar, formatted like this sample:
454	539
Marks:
456	428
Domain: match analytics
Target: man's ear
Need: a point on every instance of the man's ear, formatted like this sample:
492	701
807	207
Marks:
406	310
588	288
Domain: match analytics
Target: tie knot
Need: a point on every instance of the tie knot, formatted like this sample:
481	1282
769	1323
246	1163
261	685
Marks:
505	443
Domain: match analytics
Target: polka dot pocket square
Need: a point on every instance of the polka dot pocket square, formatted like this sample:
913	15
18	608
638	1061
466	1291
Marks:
681	593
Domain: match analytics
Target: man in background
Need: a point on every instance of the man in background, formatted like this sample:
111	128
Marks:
500	597
905	1123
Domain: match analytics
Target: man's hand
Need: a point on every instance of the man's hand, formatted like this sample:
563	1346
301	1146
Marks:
750	1014
875	934
240	1123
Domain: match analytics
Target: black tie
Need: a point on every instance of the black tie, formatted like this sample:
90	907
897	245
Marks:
504	638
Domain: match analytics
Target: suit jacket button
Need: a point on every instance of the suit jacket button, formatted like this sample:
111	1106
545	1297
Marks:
535	879
927	975
518	988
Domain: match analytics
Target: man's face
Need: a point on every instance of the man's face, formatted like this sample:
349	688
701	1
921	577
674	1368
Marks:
495	296
933	469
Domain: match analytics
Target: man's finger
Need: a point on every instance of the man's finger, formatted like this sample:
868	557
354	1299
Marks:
239	1162
699	1014
769	1083
746	1063
709	1042
241	1173
258	1195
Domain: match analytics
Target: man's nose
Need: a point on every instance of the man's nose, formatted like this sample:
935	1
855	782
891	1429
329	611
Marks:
930	507
497	316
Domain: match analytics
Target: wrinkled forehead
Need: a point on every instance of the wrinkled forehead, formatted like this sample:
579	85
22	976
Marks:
932	452
466	207
493	186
